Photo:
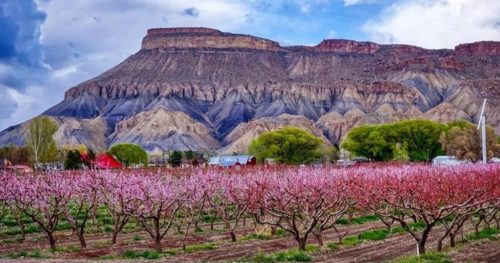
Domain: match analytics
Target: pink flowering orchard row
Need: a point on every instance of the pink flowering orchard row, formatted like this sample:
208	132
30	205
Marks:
301	201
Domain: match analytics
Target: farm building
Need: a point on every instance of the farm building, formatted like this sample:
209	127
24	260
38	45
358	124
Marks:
232	160
107	161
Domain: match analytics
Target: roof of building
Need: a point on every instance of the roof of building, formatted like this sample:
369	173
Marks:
230	160
107	161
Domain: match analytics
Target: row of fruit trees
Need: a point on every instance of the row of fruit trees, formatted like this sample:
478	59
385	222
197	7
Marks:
303	201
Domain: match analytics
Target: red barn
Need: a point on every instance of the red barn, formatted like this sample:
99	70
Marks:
107	161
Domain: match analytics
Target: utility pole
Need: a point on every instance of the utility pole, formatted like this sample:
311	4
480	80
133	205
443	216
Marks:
482	124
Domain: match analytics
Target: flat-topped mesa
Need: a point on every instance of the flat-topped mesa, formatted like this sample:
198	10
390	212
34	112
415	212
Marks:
479	48
203	38
403	49
347	46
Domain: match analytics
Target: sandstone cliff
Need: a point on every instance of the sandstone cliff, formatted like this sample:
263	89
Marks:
212	85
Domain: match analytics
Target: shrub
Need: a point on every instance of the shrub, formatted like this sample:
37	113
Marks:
129	154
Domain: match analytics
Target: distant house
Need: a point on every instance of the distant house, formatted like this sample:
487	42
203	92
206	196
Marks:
232	160
197	161
107	161
186	163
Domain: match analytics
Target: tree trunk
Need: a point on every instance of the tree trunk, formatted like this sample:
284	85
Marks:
113	238
95	222
476	228
52	241
302	243
423	240
319	237
440	244
233	236
350	216
414	218
420	248
452	240
158	244
212	219
273	230
184	237
21	225
81	238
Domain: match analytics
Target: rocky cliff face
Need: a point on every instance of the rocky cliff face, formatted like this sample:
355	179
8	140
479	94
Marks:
200	88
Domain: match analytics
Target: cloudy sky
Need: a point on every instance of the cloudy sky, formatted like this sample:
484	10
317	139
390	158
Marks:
48	46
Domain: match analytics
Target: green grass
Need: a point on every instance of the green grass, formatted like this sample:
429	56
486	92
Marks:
146	254
137	238
63	225
363	219
68	249
351	241
283	256
374	235
418	225
200	247
426	258
332	246
24	254
414	226
342	221
397	230
490	233
107	229
357	220
281	233
258	236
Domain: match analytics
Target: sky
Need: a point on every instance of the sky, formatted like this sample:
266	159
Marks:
49	46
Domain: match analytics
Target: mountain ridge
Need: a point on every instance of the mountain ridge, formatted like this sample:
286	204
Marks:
220	80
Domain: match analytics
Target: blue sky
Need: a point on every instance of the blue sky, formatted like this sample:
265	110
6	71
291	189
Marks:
48	46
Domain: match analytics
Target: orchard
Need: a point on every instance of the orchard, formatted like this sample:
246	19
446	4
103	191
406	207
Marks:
304	204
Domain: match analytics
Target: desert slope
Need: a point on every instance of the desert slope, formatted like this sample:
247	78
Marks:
212	85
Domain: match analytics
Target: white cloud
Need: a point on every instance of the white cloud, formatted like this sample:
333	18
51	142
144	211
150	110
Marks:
26	104
64	72
437	24
357	2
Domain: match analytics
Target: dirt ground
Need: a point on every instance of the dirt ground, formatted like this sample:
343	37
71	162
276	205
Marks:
372	251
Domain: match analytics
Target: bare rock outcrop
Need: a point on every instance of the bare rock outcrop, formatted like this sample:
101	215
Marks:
160	129
203	38
485	48
240	137
215	88
347	46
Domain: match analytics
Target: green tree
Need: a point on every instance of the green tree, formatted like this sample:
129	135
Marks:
463	140
17	155
400	153
41	145
330	154
370	141
288	145
175	159
189	154
73	160
129	154
418	139
421	138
